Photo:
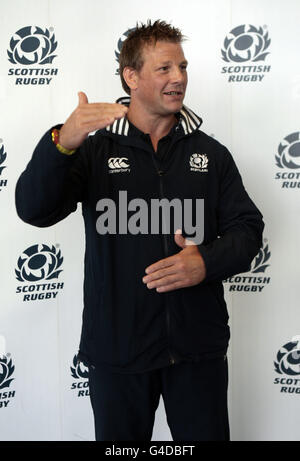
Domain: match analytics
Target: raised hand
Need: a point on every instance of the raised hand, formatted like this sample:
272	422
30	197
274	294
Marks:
88	117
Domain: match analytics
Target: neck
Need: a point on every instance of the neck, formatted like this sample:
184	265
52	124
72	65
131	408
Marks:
157	126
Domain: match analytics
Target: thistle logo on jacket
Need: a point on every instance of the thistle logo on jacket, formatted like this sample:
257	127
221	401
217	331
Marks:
32	46
250	282
288	159
246	44
6	372
199	162
3	155
288	363
39	263
81	373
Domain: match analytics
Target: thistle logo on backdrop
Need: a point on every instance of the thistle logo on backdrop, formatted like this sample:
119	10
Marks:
120	44
251	282
3	155
288	363
39	263
288	159
6	373
243	45
28	47
81	373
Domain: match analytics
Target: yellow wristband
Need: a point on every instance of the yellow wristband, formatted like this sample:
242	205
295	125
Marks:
65	151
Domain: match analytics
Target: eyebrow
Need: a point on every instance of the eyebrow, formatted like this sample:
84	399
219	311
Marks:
164	63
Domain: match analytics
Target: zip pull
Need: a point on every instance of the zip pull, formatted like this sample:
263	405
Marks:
160	172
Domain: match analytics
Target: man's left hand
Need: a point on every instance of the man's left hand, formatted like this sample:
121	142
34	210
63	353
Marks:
184	269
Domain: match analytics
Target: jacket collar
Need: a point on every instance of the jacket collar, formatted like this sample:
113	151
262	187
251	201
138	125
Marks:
188	120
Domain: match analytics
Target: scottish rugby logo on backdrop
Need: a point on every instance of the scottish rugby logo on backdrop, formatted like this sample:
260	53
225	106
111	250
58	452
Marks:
255	280
287	365
244	45
39	263
6	377
81	373
288	159
32	48
119	46
3	155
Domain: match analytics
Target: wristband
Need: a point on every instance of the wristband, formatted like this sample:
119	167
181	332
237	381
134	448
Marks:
55	137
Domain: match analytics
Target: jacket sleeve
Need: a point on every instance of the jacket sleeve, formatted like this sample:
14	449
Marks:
239	227
52	184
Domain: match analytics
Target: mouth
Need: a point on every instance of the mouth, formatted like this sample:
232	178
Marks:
173	93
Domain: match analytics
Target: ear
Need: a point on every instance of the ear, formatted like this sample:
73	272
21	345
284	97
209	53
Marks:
130	76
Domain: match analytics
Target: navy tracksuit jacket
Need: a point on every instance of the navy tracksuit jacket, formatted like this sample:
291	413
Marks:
127	327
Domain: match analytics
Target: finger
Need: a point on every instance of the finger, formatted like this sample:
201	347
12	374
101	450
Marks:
94	120
82	98
87	116
160	273
102	106
164	281
161	264
170	287
88	110
109	105
97	125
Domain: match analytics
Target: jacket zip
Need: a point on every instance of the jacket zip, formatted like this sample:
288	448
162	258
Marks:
165	240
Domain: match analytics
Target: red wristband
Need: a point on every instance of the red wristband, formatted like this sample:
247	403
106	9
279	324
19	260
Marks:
55	135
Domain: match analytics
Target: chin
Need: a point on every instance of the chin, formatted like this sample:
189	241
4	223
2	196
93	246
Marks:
176	107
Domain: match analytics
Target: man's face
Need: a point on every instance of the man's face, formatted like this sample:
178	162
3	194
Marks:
161	83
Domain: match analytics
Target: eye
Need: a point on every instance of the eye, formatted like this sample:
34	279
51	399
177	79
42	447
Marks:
164	68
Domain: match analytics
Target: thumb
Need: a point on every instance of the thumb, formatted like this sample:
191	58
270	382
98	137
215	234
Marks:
82	98
179	239
182	241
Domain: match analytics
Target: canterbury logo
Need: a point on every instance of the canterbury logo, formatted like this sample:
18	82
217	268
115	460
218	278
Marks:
118	162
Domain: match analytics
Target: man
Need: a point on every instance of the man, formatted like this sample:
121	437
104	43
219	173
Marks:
154	319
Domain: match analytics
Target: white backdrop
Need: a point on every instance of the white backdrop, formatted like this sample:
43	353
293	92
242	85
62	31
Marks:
41	398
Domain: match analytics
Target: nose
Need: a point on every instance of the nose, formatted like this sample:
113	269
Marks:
177	75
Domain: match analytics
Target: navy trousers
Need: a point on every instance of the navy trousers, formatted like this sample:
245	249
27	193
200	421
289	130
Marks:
194	395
